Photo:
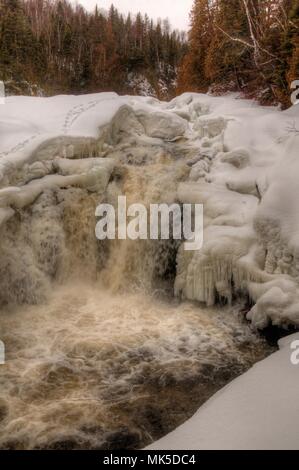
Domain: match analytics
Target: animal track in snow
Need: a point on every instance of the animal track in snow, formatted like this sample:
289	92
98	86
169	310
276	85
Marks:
76	112
20	146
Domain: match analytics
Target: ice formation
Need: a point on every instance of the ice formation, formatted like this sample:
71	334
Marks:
246	179
60	157
238	159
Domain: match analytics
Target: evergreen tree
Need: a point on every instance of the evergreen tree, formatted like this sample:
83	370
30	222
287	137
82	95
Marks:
18	48
248	45
63	48
226	60
192	74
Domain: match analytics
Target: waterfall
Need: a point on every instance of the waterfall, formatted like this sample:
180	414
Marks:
99	352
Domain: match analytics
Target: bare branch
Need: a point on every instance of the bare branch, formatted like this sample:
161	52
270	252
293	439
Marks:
241	41
253	38
255	45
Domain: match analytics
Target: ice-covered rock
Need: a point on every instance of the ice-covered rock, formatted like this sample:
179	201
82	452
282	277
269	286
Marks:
146	121
248	186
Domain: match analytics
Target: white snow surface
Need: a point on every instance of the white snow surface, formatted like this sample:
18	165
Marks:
244	169
257	411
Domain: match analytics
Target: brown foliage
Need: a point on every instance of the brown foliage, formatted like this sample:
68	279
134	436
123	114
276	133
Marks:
243	45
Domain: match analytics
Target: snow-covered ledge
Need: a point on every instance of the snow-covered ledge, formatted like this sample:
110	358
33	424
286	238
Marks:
257	411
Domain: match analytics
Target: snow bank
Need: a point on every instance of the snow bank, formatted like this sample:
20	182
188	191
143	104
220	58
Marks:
71	126
61	141
258	411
